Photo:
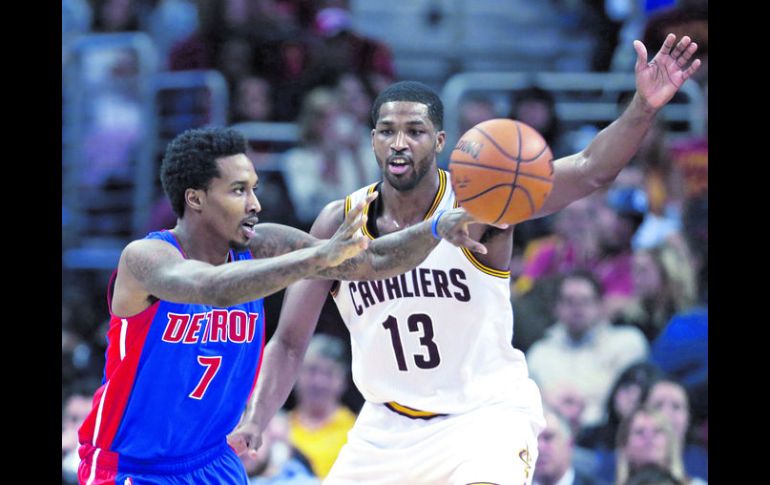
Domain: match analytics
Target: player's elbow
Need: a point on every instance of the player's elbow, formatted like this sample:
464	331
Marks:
596	176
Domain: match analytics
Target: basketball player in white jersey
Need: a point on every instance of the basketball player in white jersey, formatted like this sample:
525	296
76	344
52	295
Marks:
448	399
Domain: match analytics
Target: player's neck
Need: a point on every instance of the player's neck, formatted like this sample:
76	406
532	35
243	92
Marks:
198	243
406	208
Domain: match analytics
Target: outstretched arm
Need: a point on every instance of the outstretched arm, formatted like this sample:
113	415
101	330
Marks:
155	268
598	164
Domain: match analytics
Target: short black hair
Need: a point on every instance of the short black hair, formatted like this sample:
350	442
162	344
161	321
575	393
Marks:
585	275
415	92
191	161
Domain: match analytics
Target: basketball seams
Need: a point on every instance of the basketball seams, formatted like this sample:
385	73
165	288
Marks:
484	191
500	169
518	158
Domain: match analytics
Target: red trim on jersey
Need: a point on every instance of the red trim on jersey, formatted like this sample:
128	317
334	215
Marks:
121	374
106	467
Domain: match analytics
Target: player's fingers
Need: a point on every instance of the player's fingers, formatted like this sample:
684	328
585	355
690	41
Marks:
693	67
641	54
681	46
668	44
685	57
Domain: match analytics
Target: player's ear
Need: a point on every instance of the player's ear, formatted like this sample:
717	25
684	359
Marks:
194	198
440	140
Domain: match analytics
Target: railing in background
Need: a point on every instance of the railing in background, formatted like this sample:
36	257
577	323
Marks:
596	100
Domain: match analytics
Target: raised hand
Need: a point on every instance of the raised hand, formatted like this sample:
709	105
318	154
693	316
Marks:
453	226
348	241
658	80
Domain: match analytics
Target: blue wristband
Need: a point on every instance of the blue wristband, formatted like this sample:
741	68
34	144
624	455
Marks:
434	226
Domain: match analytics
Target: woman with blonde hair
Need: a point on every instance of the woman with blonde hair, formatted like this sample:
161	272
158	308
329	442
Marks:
645	437
664	285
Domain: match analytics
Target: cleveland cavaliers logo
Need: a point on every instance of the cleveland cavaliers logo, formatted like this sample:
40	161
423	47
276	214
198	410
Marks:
527	459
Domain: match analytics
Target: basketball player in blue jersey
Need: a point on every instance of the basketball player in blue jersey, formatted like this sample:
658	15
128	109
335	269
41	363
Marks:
187	323
448	399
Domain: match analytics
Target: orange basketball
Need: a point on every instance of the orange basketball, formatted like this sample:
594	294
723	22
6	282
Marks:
502	171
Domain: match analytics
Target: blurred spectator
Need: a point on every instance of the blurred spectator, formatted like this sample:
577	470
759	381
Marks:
681	349
475	109
652	474
251	100
664	284
555	460
170	22
327	164
355	102
645	437
582	348
276	461
670	398
113	116
628	391
617	221
573	245
75	408
339	48
536	107
319	423
116	16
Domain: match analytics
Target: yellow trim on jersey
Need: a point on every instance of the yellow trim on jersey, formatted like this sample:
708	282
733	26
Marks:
364	229
486	269
414	413
347	205
439	194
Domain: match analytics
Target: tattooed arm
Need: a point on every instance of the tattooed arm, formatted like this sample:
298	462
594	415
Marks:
152	268
386	256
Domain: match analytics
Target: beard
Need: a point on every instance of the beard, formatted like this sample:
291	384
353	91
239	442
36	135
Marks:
409	182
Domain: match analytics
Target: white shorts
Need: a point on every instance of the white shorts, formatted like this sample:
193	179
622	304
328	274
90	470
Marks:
490	445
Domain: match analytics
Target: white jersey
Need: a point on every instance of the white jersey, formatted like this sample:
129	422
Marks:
436	339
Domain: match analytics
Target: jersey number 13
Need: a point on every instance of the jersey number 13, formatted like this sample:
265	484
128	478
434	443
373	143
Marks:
415	323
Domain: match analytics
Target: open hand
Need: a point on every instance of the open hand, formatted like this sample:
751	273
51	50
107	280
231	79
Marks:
658	80
348	241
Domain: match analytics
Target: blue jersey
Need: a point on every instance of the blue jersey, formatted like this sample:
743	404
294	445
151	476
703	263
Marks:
176	380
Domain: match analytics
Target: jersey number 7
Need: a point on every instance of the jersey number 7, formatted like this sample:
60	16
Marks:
211	363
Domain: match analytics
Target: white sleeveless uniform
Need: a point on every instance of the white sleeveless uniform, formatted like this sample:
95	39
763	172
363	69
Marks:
437	341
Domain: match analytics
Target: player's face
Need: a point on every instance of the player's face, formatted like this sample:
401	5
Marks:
231	206
405	143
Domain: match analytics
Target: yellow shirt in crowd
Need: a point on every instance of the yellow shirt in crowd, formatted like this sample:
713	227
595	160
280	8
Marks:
322	445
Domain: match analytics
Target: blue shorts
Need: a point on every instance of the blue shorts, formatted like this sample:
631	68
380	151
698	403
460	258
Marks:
216	466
